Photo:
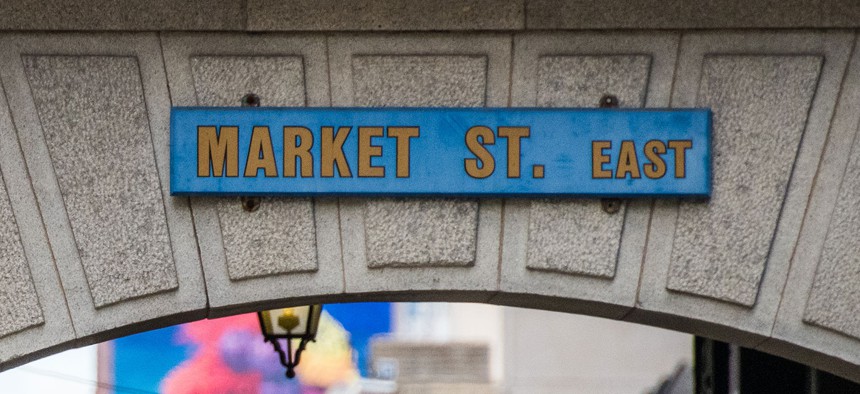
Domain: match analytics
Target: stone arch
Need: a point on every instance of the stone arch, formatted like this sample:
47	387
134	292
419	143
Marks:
95	247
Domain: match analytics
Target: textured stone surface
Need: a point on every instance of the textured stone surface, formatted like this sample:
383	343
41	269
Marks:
103	97
817	320
562	69
673	14
834	301
412	81
19	305
576	236
446	229
96	127
33	308
793	90
440	233
580	81
290	247
429	69
829	339
364	15
760	106
280	236
385	15
223	80
122	15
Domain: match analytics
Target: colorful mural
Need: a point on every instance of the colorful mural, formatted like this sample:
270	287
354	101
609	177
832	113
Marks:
228	355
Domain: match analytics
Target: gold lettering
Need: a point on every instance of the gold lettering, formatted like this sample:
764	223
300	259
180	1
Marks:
331	152
513	134
476	138
679	150
218	150
627	161
657	167
302	151
403	134
367	151
598	159
261	154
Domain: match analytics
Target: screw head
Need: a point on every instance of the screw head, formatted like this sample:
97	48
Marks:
611	205
251	100
250	204
609	101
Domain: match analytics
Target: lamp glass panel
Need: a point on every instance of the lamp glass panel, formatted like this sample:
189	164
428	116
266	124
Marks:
292	322
316	311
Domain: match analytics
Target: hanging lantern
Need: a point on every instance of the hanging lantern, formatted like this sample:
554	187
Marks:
288	324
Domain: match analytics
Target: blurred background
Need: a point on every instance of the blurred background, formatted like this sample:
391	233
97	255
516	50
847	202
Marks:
380	348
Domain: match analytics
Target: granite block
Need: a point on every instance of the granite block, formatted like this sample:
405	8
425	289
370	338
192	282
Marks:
760	107
580	81
19	303
834	299
817	319
573	237
224	80
97	131
445	231
279	238
419	81
92	115
414	244
437	233
410	69
576	236
570	247
35	316
289	247
772	97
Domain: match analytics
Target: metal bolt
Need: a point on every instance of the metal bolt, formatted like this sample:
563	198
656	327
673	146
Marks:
609	101
611	205
251	100
250	204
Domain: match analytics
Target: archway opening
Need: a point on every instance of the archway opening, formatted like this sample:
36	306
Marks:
387	347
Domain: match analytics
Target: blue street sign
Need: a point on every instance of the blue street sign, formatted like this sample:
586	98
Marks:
440	152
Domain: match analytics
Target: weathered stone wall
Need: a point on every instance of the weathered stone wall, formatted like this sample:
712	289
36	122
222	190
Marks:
417	15
94	247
